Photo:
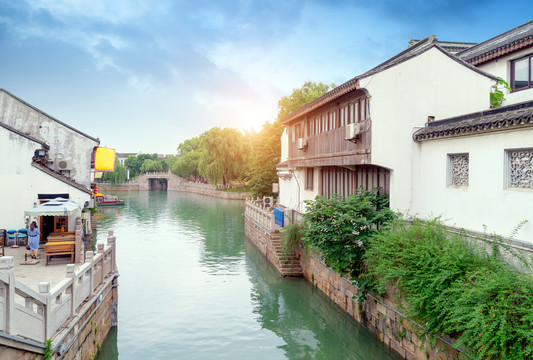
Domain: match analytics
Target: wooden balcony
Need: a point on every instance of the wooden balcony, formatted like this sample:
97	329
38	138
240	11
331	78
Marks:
331	149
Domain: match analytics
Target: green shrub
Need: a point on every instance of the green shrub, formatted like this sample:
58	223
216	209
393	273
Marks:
291	237
454	286
339	228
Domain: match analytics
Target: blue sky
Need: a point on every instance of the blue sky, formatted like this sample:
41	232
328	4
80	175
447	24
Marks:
145	75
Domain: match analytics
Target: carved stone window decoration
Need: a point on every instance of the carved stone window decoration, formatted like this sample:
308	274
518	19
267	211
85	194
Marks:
520	168
458	170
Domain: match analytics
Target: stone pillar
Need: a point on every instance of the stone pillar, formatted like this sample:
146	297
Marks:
111	241
72	291
7	266
89	255
78	246
44	290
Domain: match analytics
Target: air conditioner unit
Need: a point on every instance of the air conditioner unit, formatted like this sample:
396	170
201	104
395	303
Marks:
61	164
302	143
352	130
268	202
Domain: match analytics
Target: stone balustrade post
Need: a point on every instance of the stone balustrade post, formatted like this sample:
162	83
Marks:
73	286
44	310
89	256
111	241
78	246
7	264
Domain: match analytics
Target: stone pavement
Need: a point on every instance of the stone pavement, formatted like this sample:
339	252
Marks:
32	275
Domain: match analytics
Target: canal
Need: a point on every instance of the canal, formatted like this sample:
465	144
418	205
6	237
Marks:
192	286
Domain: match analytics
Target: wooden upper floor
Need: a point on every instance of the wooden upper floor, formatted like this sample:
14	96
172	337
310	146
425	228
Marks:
337	133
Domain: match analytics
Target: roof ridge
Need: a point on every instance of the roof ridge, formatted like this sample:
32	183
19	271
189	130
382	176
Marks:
501	35
49	116
27	136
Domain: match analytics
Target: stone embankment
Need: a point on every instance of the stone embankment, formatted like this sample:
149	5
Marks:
379	315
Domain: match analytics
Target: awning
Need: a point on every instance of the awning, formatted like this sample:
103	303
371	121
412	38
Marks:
56	207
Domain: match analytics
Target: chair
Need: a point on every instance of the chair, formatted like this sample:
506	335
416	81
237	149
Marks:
22	236
11	236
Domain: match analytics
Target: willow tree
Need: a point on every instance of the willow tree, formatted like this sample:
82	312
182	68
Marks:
224	153
186	165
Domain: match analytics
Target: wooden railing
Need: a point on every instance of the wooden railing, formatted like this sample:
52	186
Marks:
332	143
39	315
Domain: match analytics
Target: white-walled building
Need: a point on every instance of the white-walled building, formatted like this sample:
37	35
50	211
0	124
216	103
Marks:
70	149
378	129
26	175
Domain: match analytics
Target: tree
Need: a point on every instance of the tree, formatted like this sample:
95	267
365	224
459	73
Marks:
302	96
118	176
134	163
266	151
150	165
186	165
223	155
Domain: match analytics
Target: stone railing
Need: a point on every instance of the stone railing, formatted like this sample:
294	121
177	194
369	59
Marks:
264	218
39	315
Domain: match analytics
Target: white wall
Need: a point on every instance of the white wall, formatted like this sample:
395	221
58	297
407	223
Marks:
288	194
63	141
502	68
402	97
485	201
21	182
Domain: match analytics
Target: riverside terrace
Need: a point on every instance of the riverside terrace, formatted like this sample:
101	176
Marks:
61	302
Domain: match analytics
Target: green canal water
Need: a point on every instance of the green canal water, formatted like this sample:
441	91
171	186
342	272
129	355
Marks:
191	286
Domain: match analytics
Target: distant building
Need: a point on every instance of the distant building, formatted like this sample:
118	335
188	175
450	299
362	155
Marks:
121	157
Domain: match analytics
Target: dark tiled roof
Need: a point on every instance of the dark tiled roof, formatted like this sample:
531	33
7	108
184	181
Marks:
505	118
500	45
62	178
27	136
51	117
452	47
419	48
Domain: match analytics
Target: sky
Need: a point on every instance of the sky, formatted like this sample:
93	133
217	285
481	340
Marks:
145	75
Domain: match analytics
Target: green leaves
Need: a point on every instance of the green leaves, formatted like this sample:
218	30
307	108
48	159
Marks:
302	96
340	228
455	287
497	97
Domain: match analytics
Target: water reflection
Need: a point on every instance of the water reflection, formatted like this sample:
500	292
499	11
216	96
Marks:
221	225
310	324
192	287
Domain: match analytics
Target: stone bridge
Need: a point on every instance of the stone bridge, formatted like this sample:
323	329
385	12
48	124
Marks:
150	181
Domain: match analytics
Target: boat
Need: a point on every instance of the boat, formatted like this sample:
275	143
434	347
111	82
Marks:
107	200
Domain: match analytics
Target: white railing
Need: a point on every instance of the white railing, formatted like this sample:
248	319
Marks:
39	315
262	217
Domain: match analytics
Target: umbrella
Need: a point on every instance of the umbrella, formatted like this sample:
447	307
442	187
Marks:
56	207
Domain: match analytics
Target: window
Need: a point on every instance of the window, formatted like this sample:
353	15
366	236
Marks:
458	170
309	179
522	73
519	168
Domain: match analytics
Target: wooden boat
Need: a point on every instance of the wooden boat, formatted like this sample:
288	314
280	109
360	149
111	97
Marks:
108	200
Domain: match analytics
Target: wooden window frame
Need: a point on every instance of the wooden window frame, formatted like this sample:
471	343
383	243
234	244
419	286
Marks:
530	75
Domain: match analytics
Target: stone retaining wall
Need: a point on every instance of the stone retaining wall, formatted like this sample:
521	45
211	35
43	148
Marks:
380	316
270	245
